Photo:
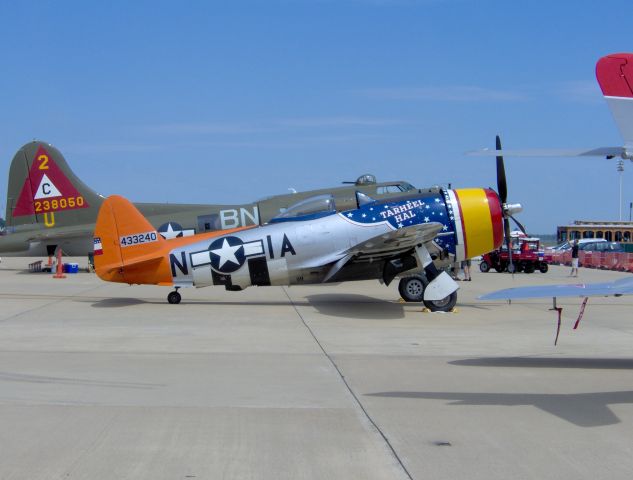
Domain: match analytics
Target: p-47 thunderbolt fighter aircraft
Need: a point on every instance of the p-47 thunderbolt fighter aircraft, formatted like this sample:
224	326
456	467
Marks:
311	243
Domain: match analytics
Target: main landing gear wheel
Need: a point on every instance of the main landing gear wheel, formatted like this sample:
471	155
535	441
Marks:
446	304
174	297
412	288
484	266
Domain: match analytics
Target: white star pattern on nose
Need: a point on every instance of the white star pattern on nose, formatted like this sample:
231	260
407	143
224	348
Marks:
226	253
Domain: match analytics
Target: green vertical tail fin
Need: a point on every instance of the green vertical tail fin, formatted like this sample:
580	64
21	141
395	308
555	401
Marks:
44	190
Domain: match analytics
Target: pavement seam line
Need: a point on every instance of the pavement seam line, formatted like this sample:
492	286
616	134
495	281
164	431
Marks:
59	300
349	388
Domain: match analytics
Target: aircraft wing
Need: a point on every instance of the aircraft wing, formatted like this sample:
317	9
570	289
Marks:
577	152
384	246
620	287
62	235
396	241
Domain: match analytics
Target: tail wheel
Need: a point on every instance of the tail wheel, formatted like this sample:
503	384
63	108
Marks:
484	266
444	305
543	267
174	298
412	288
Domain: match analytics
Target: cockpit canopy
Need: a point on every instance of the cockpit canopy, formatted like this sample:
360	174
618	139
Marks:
310	208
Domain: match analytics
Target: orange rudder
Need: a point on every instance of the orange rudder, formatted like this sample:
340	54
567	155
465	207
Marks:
131	250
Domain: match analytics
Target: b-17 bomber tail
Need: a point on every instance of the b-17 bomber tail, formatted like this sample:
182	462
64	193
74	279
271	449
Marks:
44	190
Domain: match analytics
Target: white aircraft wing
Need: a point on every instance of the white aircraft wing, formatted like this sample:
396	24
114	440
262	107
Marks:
620	287
542	152
386	245
396	241
63	235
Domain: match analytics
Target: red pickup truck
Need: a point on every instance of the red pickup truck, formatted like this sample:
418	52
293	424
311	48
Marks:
527	256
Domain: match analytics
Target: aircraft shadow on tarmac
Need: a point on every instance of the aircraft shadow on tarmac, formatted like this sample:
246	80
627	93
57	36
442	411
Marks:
129	302
336	305
581	409
356	306
544	362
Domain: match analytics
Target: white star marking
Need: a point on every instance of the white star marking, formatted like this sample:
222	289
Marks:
437	200
226	253
170	232
427	207
364	215
350	215
426	219
373	219
444	228
400	225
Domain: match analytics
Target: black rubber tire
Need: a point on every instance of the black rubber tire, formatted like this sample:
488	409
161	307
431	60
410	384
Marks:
484	266
543	267
529	268
412	288
500	268
444	305
511	268
174	298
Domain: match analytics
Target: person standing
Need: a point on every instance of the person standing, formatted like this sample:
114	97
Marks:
574	259
466	269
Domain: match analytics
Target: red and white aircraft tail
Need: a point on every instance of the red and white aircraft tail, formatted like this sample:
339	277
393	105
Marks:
615	76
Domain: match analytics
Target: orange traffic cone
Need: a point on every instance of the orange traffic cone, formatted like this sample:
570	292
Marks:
59	271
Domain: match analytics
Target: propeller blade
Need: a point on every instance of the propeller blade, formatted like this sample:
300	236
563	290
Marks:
519	224
502	186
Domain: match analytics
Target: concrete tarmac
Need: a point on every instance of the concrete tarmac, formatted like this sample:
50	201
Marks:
107	381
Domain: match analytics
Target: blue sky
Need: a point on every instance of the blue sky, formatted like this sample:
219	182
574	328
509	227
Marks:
224	102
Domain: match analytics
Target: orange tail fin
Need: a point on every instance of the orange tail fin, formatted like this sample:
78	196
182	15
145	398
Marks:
128	249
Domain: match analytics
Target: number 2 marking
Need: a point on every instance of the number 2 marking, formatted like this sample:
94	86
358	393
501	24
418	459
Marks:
44	162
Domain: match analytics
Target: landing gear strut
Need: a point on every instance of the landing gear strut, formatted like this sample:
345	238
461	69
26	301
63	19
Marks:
174	297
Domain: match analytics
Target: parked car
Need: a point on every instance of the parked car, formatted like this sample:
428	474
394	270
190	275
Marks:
601	247
562	247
